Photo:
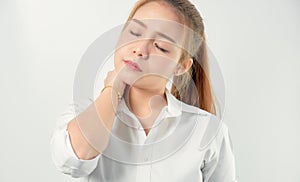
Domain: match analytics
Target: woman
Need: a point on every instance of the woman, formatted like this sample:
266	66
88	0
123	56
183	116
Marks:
155	134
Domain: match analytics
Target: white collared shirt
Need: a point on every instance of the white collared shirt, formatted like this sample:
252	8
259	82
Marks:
185	143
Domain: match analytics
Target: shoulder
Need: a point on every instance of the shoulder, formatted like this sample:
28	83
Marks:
193	110
217	140
211	132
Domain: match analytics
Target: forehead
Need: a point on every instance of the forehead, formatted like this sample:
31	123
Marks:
160	18
157	10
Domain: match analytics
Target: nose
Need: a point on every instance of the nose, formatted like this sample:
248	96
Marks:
140	50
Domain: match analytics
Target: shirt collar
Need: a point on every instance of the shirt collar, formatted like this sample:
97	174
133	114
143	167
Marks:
173	108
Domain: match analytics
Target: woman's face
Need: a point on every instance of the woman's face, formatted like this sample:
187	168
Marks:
149	47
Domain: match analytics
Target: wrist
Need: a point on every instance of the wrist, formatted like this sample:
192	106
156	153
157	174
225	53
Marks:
119	95
105	87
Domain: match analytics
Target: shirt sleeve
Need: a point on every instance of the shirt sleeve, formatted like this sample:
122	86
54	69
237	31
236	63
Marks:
62	152
219	163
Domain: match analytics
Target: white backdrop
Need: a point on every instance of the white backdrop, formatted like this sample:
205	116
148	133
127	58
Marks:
256	43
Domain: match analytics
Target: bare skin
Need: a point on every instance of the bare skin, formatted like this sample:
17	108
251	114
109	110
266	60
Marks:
148	108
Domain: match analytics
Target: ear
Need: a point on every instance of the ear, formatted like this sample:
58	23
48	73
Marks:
183	67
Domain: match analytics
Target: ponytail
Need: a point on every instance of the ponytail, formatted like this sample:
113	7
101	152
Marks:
197	91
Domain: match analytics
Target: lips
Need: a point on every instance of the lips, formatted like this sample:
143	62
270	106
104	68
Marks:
132	65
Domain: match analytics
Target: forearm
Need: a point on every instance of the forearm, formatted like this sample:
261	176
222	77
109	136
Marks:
101	112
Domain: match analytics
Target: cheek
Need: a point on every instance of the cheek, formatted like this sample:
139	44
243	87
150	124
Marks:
117	62
162	66
118	58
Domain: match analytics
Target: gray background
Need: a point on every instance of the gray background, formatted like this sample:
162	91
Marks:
256	44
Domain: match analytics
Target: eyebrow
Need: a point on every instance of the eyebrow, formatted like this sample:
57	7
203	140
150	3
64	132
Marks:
159	33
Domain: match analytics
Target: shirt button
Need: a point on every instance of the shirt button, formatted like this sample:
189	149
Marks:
146	159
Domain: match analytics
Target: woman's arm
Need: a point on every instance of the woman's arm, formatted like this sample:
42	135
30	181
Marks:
72	147
97	120
219	164
102	109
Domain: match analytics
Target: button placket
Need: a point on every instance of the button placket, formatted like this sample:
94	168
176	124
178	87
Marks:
144	169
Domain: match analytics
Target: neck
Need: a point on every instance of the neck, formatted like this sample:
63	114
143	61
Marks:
143	102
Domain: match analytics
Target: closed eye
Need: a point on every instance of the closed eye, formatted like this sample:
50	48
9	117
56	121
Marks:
135	34
160	48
